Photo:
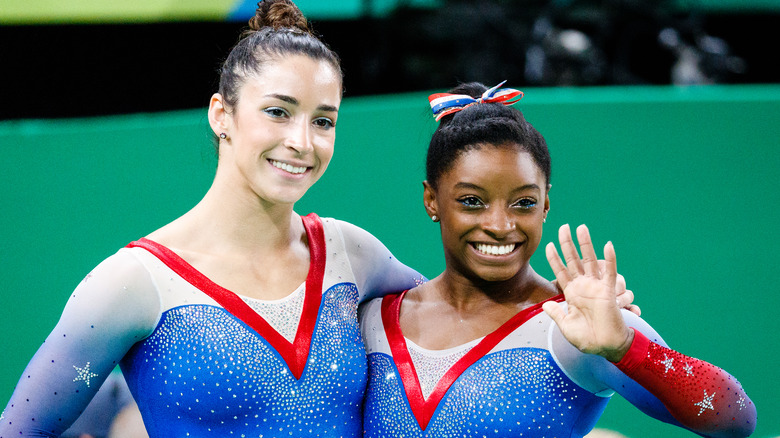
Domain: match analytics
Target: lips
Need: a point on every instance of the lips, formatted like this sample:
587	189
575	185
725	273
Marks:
495	250
289	168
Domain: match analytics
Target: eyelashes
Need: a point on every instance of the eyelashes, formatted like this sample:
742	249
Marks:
276	112
474	202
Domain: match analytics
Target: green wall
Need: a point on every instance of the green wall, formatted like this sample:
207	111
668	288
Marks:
680	179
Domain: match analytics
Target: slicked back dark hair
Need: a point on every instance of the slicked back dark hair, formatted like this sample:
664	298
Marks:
278	29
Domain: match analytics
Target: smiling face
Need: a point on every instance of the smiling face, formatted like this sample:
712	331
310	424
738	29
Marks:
491	203
281	132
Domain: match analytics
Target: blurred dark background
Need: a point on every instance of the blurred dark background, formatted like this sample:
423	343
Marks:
77	69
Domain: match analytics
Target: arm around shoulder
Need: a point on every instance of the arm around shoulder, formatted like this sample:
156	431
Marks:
377	272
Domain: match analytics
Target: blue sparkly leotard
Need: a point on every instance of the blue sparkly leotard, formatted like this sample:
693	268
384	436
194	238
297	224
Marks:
198	359
526	380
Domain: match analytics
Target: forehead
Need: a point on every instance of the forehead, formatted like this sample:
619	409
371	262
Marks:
297	76
502	165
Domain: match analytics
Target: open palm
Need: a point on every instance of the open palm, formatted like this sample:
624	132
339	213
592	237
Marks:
591	321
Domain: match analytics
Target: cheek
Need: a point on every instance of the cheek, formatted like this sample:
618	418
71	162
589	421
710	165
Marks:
535	234
324	148
453	230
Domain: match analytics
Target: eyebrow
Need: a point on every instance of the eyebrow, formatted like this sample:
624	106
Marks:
293	101
465	185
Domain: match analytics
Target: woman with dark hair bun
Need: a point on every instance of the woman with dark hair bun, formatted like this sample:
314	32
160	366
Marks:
240	317
489	348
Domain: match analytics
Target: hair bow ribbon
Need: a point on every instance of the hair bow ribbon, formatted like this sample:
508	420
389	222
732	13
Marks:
443	104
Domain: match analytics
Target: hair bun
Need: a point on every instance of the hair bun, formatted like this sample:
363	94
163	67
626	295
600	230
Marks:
278	14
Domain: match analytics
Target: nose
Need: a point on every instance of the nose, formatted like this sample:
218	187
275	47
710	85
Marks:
298	137
497	222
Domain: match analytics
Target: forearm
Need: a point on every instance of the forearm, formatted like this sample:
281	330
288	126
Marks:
701	396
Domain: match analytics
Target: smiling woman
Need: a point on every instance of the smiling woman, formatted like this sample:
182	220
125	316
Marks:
482	237
239	317
489	348
278	132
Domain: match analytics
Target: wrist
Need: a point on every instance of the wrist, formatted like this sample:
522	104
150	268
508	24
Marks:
615	355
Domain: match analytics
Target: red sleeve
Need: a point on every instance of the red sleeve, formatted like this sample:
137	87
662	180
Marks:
701	396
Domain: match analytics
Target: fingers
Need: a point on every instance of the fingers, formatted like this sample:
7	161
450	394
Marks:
569	251
589	259
555	311
611	259
620	283
624	298
588	265
558	268
602	268
633	308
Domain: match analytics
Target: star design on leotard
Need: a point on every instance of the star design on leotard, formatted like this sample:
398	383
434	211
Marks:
688	369
741	403
668	363
706	403
84	374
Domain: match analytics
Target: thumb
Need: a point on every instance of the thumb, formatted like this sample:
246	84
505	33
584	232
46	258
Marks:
554	311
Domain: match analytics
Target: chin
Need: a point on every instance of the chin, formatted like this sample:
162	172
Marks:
494	276
286	195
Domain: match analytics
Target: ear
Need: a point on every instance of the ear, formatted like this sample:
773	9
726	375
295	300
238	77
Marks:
547	201
219	119
429	200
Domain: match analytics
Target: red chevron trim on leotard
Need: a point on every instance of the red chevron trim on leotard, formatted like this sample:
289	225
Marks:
295	354
423	409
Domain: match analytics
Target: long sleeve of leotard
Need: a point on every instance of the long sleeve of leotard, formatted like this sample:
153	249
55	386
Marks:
377	272
115	306
699	395
663	383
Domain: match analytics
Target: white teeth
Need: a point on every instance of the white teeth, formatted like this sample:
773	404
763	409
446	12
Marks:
287	167
495	249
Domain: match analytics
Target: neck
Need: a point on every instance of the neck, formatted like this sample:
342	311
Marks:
468	293
227	219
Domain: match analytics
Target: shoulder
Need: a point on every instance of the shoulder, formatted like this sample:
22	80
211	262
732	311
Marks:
359	243
121	281
350	232
123	268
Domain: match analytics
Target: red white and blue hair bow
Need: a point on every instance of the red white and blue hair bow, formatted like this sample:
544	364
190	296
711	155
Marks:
443	104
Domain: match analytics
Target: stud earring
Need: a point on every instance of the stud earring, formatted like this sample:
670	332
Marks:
222	135
435	218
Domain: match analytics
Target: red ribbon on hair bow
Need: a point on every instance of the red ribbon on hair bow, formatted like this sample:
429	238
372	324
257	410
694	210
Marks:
443	104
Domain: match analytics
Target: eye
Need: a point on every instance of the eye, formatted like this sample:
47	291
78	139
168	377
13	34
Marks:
471	201
276	112
324	122
525	203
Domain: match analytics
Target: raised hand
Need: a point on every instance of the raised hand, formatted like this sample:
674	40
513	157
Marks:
592	321
574	267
